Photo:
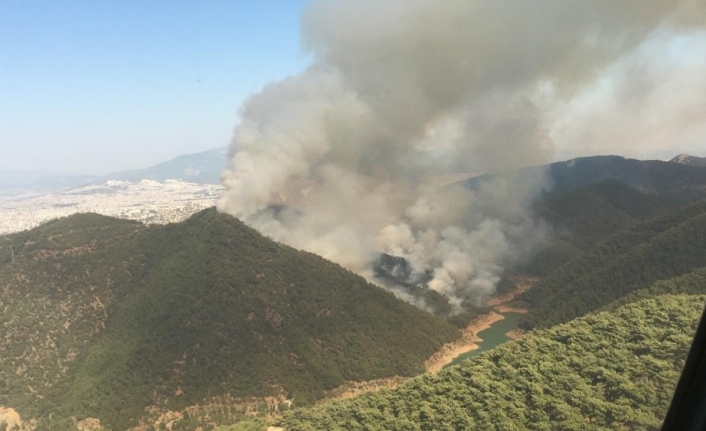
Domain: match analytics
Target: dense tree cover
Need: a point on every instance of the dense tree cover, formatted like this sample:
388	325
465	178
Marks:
610	370
588	198
691	283
66	278
674	182
579	218
629	260
584	216
677	183
548	257
174	315
103	317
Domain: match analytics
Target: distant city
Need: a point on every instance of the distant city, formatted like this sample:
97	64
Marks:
146	201
165	193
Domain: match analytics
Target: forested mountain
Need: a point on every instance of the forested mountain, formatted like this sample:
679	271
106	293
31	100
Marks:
576	219
629	260
691	283
615	369
110	319
588	214
587	199
674	182
612	369
579	218
207	322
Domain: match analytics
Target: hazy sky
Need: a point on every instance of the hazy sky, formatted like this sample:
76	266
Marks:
102	86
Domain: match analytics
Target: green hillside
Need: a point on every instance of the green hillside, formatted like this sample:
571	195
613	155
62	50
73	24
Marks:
104	318
579	218
691	283
674	182
629	260
206	321
587	199
66	278
611	370
589	214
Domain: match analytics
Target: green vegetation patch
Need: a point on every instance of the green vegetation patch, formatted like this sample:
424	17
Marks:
105	318
610	370
632	259
589	214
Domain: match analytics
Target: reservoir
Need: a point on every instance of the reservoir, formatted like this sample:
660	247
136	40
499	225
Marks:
492	337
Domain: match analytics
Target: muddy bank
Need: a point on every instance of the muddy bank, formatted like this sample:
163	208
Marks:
466	343
508	309
352	389
516	334
469	339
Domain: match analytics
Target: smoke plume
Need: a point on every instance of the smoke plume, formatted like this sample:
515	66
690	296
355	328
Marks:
353	156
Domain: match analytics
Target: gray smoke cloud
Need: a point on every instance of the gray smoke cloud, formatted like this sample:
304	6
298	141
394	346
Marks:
658	90
348	158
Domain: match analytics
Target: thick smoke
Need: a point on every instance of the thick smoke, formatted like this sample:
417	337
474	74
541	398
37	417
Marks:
659	91
350	157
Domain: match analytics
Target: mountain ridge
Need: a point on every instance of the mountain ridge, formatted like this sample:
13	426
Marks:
615	369
687	159
209	321
626	261
164	317
677	183
202	167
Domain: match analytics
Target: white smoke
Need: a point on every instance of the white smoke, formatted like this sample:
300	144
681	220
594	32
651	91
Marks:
659	90
344	158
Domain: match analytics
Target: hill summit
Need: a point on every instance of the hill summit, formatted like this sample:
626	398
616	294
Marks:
686	159
114	320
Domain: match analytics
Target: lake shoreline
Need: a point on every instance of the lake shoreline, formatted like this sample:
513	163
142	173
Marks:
469	339
516	333
508	309
466	343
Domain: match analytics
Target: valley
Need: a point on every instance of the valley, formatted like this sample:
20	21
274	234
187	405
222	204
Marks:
553	379
490	336
147	320
486	331
340	215
615	226
206	323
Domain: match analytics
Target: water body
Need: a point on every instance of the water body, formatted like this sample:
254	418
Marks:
492	337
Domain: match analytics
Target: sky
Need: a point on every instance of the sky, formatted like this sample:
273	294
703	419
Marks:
94	87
